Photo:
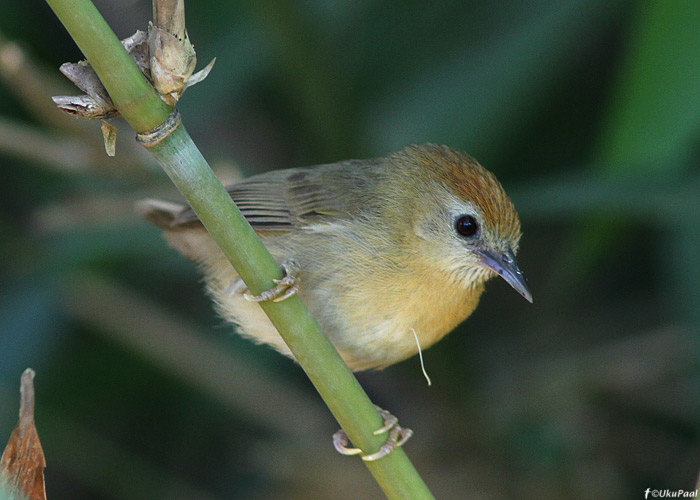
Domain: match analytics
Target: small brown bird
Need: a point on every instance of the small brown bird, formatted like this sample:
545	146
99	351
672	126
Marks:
391	253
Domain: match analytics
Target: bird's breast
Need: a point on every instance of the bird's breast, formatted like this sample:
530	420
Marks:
386	318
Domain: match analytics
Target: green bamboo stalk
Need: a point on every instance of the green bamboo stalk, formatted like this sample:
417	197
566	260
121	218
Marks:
189	171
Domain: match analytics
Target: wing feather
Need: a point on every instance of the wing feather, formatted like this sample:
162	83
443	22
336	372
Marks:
282	199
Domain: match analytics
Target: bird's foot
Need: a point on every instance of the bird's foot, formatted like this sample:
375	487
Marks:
397	437
283	289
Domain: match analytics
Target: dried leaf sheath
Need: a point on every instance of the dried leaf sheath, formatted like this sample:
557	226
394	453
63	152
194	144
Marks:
23	462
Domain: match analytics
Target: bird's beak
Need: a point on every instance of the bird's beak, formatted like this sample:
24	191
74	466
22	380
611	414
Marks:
505	265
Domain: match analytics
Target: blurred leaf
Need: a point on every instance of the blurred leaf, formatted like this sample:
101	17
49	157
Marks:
661	205
653	121
479	94
655	110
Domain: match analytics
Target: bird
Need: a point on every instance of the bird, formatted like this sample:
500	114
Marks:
389	254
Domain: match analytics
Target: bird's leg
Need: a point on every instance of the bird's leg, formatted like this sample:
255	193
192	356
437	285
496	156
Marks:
283	289
397	437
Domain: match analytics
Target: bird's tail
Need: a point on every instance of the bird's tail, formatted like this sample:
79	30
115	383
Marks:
163	214
183	230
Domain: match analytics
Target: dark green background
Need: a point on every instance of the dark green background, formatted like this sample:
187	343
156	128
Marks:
588	111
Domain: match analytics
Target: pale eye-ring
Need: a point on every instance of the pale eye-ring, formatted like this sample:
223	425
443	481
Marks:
466	226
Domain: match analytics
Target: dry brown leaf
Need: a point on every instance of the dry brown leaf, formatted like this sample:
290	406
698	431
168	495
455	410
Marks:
22	464
109	134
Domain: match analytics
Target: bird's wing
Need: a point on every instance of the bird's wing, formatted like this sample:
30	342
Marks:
282	199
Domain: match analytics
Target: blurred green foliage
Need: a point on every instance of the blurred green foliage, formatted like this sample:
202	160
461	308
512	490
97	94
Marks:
587	110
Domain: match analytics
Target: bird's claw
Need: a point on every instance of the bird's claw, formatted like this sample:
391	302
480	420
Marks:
283	289
397	437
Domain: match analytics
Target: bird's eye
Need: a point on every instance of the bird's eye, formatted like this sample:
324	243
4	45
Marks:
466	226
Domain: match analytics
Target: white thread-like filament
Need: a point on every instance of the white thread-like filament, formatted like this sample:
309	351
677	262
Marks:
420	357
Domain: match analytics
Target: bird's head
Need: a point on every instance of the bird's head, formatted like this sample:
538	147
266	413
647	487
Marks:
464	217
